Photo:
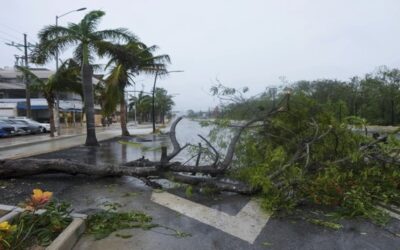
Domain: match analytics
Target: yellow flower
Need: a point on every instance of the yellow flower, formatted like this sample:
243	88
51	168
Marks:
39	197
5	226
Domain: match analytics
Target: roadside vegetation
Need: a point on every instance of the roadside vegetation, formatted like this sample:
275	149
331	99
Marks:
143	104
301	151
374	97
43	218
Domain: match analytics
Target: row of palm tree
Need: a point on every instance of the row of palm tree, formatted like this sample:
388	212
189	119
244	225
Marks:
143	105
128	57
127	61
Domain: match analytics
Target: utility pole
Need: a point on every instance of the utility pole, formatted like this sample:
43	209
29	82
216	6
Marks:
24	62
57	118
57	113
153	112
134	95
26	79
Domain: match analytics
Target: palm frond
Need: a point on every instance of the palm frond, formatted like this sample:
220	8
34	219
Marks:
118	77
117	35
47	49
34	78
67	78
90	21
51	32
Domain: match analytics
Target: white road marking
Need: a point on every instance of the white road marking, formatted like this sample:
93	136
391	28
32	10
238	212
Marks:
246	225
390	213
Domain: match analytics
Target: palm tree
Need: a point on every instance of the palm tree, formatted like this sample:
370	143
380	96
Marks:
127	61
87	41
142	104
163	102
65	79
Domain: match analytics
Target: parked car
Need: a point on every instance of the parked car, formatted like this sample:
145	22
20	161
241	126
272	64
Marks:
20	129
6	129
45	127
3	133
35	128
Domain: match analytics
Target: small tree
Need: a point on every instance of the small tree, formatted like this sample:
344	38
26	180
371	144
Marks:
65	79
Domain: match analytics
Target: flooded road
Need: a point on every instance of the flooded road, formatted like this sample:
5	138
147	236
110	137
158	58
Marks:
124	149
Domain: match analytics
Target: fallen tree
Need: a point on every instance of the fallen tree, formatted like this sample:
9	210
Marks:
304	154
290	153
211	175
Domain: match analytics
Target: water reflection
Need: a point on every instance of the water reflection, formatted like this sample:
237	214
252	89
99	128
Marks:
149	146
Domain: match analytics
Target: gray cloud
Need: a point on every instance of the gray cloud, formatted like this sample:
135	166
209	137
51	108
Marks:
243	43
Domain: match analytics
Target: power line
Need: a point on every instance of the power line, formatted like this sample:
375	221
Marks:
25	47
5	39
11	28
8	34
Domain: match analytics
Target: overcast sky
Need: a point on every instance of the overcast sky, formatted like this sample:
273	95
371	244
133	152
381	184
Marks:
240	42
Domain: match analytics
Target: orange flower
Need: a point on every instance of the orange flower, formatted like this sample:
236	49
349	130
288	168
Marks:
39	197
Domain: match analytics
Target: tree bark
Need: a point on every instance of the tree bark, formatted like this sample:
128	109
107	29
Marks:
122	105
141	169
87	73
50	104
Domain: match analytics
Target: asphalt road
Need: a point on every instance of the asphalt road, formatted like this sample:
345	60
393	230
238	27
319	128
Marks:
87	194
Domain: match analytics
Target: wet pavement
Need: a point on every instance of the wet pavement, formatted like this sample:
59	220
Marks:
89	193
15	141
30	146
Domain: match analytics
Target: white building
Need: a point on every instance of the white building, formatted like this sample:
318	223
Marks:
13	97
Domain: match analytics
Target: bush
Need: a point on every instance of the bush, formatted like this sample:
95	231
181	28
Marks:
305	155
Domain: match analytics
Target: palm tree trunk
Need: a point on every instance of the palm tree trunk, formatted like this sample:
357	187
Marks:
122	106
87	73
50	104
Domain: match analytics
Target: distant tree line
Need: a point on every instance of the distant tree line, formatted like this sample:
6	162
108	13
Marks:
375	97
143	104
211	113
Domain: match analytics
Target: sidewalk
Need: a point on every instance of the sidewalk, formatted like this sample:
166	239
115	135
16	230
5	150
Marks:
16	141
17	147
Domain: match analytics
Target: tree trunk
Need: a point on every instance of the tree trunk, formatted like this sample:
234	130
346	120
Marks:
122	106
392	112
87	73
50	104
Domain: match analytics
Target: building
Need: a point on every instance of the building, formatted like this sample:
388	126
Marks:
13	98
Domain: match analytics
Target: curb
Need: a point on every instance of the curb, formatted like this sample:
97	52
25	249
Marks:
37	142
66	239
391	210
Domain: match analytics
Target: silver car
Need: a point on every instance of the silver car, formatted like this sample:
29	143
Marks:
20	129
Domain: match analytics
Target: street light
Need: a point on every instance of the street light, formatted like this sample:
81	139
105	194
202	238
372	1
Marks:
58	17
57	94
153	115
